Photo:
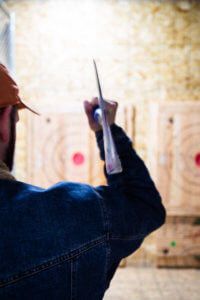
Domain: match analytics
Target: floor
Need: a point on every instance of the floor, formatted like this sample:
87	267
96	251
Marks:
131	283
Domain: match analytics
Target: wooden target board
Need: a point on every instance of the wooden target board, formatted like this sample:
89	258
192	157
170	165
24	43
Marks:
174	155
174	162
178	242
61	147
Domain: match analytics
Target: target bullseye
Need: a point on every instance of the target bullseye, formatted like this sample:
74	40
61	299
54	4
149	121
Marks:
197	159
78	158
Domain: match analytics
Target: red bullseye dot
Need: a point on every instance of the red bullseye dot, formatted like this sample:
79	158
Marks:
78	158
197	159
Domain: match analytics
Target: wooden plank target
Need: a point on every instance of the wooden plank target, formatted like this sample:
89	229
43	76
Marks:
174	162
178	242
61	147
174	155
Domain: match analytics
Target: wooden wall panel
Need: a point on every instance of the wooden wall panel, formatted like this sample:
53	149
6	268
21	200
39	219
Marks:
174	162
174	155
178	242
62	147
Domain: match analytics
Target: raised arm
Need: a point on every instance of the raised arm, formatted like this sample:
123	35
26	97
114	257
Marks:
132	202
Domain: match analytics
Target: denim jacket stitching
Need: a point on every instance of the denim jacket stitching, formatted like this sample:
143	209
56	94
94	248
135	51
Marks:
105	215
73	278
129	238
51	263
107	229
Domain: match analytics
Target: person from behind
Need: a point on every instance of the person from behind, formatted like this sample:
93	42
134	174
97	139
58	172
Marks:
66	241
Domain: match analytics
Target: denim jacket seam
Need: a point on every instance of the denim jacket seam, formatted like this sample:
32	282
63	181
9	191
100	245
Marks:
73	278
130	238
107	230
51	263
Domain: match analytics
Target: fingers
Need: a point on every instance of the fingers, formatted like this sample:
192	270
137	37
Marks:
95	102
110	108
87	106
89	110
109	104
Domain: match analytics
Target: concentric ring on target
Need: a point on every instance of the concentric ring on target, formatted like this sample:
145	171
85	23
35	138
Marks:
194	158
54	149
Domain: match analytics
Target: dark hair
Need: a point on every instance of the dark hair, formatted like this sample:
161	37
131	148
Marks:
10	151
2	110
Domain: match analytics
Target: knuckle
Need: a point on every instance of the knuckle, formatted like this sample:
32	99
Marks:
115	103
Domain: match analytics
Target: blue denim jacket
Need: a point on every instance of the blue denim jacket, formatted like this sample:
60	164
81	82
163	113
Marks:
65	242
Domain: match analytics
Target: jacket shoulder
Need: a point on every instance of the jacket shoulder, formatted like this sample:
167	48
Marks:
46	223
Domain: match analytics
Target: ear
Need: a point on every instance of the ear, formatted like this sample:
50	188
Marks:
5	124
